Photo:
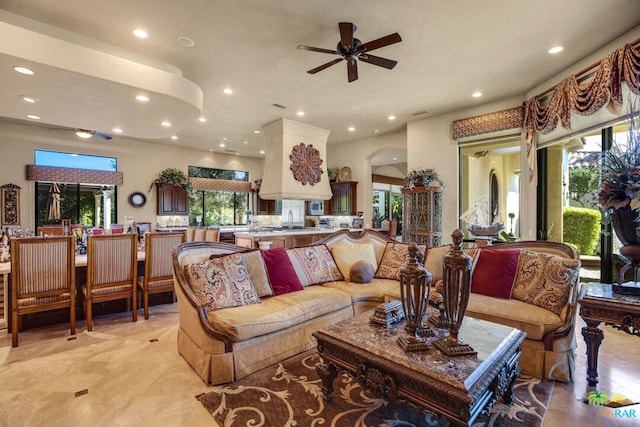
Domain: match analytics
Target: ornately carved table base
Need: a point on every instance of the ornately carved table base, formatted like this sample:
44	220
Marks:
394	383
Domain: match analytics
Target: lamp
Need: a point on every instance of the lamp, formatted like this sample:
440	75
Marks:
415	285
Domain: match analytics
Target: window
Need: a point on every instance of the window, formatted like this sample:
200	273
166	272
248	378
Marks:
387	203
218	207
92	205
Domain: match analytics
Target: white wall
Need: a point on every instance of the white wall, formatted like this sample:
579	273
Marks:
139	161
357	155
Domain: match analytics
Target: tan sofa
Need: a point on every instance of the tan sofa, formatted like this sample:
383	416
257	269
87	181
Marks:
228	344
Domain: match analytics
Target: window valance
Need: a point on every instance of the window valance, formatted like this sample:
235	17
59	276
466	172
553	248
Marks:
220	185
73	175
511	118
583	93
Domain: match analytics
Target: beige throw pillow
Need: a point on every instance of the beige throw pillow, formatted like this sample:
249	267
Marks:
347	255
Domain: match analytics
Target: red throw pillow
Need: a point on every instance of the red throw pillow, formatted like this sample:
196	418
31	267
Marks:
495	272
282	276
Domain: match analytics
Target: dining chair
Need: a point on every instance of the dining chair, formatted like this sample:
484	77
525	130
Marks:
385	225
158	267
393	228
111	271
43	277
212	235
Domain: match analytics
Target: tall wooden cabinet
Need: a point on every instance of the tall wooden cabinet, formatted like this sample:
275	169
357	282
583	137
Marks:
345	198
172	200
422	215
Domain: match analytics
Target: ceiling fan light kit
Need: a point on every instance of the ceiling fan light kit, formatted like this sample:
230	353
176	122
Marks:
352	50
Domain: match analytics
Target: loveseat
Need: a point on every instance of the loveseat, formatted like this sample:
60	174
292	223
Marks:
239	313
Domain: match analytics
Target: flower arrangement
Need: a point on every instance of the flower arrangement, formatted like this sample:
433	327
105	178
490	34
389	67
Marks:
620	185
175	177
422	177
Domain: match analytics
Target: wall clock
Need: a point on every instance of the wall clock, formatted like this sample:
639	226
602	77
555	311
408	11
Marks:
137	199
305	164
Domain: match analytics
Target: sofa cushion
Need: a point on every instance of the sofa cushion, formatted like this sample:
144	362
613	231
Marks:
495	272
314	264
395	256
278	313
257	272
346	255
282	276
221	282
433	261
545	280
373	291
361	272
533	320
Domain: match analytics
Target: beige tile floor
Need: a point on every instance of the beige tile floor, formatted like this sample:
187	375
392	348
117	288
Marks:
134	377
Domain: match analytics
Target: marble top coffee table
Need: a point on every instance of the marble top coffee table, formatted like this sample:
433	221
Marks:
454	388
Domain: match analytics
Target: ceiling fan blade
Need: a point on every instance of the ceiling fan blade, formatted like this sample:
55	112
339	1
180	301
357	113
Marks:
376	60
381	42
101	135
327	65
318	49
346	35
352	70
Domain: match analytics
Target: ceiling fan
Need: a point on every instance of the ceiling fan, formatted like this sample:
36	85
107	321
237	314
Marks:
352	49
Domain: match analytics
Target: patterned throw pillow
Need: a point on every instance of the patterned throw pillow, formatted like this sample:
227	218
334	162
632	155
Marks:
545	280
395	256
221	282
314	265
347	255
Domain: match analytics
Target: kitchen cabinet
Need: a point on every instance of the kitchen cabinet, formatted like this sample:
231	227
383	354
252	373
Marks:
288	239
172	200
345	198
268	207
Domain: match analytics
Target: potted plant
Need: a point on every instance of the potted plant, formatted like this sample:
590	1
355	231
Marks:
422	178
175	177
619	192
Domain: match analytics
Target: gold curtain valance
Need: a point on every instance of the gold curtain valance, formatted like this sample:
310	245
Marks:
603	89
511	118
73	175
220	185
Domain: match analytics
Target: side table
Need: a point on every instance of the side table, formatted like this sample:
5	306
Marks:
598	303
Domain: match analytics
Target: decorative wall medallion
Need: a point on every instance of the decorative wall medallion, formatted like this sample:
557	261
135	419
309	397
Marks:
305	164
137	199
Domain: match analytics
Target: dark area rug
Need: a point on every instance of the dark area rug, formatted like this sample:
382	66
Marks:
288	394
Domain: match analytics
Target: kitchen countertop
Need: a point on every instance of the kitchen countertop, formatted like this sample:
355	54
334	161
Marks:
287	231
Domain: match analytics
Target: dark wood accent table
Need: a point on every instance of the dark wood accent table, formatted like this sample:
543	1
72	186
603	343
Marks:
598	303
455	388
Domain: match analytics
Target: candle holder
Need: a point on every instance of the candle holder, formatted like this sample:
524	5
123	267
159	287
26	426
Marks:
415	285
457	285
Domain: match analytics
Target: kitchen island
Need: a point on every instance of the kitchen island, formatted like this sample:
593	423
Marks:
287	238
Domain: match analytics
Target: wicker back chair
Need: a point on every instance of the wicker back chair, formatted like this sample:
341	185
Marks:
111	271
158	267
43	277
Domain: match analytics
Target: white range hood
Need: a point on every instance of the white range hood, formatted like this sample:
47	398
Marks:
278	181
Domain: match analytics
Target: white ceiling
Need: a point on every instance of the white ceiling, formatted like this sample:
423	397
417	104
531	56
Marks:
449	50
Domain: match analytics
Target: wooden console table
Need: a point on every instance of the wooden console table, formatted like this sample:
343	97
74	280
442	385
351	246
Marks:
598	303
457	389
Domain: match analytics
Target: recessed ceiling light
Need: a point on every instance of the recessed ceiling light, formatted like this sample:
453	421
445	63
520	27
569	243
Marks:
139	33
142	98
174	137
237	154
261	151
300	113
222	144
166	124
117	130
84	134
351	129
185	41
29	99
256	131
202	119
33	117
394	158
24	70
227	91
210	149
246	142
376	131
391	117
556	49
476	94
